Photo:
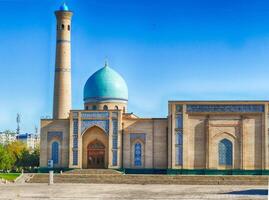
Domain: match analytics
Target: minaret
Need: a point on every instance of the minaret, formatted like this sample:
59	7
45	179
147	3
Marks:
62	80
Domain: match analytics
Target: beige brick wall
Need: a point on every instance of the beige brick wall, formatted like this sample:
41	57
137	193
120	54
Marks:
196	146
160	144
202	133
225	126
45	145
253	142
155	145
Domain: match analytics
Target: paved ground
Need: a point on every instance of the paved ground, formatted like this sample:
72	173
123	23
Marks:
122	191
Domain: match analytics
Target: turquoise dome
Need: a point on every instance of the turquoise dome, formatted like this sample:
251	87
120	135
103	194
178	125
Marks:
64	7
105	85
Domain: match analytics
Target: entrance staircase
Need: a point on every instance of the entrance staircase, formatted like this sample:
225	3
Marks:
110	176
92	171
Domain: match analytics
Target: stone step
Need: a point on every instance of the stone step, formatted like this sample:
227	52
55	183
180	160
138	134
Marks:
92	171
152	179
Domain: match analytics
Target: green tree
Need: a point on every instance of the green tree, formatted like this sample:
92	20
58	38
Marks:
17	156
6	159
28	160
24	161
16	149
35	155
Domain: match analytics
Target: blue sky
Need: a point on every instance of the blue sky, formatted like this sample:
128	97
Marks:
165	50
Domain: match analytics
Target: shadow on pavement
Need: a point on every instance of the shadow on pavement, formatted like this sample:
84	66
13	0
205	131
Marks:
250	192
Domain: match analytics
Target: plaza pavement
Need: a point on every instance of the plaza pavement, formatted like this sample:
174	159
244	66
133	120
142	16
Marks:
129	191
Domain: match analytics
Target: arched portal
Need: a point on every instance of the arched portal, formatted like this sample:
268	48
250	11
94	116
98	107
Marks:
94	148
96	154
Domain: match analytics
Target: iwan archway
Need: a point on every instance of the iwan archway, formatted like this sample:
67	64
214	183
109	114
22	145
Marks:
94	148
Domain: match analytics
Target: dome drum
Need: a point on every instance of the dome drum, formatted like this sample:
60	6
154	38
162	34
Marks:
104	99
106	106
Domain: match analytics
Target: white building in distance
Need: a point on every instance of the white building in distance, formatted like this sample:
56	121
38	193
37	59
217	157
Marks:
7	137
31	140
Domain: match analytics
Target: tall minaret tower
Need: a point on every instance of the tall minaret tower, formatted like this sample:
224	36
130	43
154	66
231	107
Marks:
62	80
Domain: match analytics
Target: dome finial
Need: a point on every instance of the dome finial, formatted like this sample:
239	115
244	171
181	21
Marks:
106	63
64	7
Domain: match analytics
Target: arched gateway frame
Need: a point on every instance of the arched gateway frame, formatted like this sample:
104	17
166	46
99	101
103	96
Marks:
96	154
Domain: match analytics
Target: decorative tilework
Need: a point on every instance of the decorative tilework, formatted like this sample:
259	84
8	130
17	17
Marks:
179	108
63	41
115	115
55	152
179	148
62	69
115	142
75	142
115	134
225	108
85	124
138	154
75	114
179	137
95	115
52	134
179	121
115	158
75	157
179	155
75	127
141	136
225	152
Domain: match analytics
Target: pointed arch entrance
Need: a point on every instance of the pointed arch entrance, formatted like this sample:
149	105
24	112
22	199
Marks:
95	148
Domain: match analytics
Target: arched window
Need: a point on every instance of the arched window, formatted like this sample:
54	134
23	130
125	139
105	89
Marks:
94	107
86	108
116	108
225	152
55	152
62	26
137	154
179	148
105	107
68	27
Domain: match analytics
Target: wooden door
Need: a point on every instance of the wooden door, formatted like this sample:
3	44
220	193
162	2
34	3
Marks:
96	155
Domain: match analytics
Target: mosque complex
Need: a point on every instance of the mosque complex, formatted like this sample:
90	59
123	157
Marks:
195	135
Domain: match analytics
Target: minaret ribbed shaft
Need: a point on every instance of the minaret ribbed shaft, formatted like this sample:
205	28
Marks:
62	80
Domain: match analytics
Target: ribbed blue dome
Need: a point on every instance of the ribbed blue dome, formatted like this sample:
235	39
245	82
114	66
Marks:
104	85
64	7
